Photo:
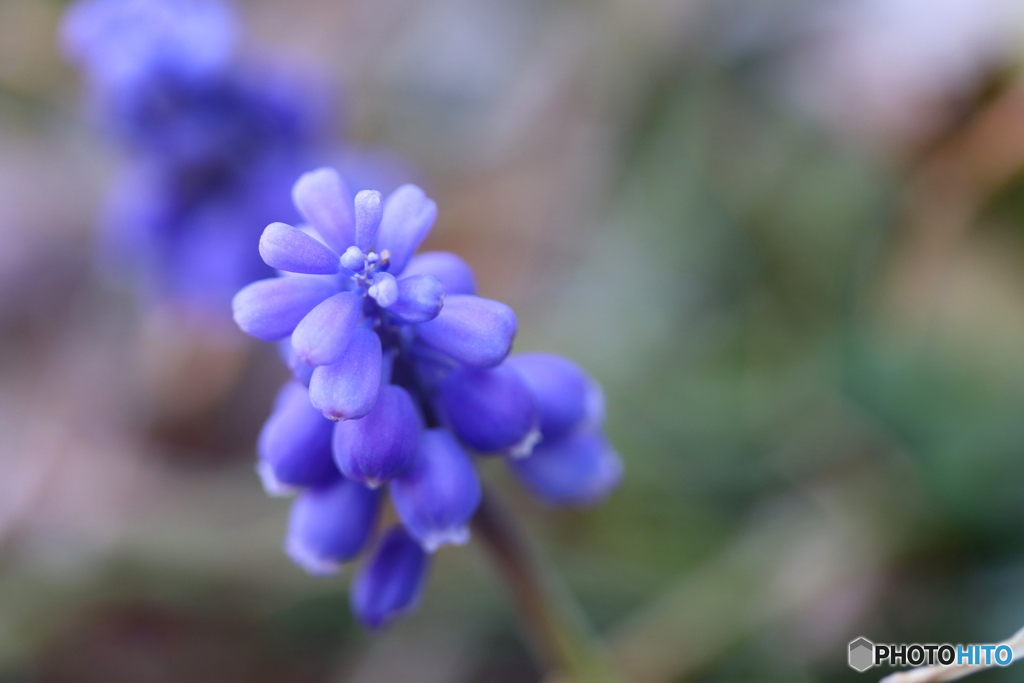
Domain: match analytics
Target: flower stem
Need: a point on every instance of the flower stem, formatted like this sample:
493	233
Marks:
954	672
557	631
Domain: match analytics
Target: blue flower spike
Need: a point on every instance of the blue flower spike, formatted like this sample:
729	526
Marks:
409	376
118	41
211	142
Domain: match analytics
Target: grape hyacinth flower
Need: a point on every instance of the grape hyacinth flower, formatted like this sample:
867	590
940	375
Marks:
211	143
408	377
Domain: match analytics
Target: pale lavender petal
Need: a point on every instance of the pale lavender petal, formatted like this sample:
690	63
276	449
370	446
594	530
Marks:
408	216
454	273
369	207
472	330
419	299
270	309
322	336
289	249
323	199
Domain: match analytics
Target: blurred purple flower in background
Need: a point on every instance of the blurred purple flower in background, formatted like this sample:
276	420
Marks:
408	368
212	145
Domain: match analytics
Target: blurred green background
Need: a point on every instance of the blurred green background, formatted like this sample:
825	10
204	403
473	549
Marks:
786	236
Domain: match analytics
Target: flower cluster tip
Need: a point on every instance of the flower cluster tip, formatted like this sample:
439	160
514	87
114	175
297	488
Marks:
402	375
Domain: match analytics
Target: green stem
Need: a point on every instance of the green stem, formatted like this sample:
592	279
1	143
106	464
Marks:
557	632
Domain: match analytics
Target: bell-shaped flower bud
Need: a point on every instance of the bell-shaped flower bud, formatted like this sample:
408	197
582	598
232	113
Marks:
454	273
437	496
389	585
295	444
381	445
369	208
323	199
329	525
323	335
472	330
581	469
270	309
384	289
420	298
408	216
491	409
567	397
289	249
348	389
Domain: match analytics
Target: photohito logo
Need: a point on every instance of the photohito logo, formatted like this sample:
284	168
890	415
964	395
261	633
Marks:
863	654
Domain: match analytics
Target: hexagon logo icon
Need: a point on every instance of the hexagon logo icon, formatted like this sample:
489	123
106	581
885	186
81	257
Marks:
862	654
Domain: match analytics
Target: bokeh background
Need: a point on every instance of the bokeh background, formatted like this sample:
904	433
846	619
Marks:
786	235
